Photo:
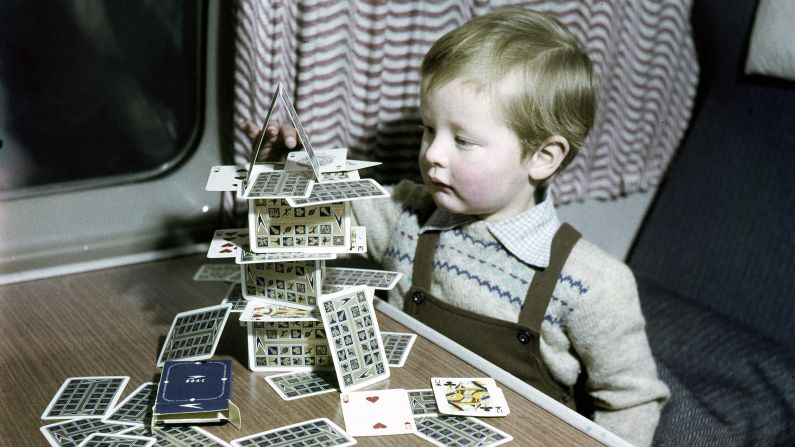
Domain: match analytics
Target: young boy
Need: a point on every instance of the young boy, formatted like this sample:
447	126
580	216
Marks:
506	101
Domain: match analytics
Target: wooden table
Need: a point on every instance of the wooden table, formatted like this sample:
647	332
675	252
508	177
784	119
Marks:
113	322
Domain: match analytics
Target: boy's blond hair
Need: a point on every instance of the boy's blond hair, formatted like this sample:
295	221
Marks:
530	66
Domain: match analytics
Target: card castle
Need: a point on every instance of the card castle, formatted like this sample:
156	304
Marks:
299	216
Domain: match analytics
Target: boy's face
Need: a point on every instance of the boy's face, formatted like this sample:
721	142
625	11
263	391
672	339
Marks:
469	158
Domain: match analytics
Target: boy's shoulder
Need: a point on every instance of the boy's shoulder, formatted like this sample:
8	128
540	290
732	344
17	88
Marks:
411	195
596	268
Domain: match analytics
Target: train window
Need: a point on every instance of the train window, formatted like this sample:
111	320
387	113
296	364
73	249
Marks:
97	92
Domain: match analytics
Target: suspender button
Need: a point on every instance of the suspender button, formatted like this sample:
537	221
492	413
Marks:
524	336
418	297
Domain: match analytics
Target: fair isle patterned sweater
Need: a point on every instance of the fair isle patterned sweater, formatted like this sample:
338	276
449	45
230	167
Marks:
593	321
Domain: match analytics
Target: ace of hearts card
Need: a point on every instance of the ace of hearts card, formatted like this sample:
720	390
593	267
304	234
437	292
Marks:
377	413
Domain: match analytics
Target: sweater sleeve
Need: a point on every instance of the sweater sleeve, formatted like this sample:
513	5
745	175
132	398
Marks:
607	330
381	216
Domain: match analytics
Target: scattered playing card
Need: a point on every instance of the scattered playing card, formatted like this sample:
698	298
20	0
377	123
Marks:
72	432
376	279
314	433
226	243
377	413
178	436
469	396
295	385
341	191
397	346
217	272
135	408
445	431
194	334
423	403
85	397
354	338
116	440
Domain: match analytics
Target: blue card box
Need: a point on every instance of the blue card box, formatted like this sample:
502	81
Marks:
193	392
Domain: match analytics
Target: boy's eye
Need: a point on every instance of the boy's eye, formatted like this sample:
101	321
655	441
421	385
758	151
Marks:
427	129
463	142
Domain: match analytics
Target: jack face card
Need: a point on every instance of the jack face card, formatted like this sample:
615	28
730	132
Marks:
341	191
74	431
353	337
377	413
293	283
288	346
469	397
227	243
315	433
445	431
194	334
295	385
246	256
397	346
278	227
85	397
376	279
135	407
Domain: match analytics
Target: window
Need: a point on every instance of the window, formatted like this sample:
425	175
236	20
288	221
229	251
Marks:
97	92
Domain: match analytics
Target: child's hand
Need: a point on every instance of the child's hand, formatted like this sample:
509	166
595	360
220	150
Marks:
279	140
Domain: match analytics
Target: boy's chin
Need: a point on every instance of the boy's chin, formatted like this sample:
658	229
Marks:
450	204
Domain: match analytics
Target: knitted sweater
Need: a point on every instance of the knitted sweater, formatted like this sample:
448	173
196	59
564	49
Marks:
593	320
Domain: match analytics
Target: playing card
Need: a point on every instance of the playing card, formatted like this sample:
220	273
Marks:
225	178
292	283
72	432
469	396
277	227
265	311
234	296
116	440
278	185
352	165
245	256
295	385
377	413
358	240
329	160
423	403
397	346
314	433
353	337
227	243
341	175
341	191
376	279
194	334
85	397
445	431
217	272
288	346
178	436
135	408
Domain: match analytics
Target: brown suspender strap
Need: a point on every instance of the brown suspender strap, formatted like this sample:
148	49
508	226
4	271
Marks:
544	281
423	260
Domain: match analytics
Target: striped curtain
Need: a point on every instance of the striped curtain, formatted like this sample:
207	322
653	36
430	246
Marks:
352	68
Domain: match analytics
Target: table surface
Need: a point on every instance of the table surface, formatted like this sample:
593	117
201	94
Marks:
113	322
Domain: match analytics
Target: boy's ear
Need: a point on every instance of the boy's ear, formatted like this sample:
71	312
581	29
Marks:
546	161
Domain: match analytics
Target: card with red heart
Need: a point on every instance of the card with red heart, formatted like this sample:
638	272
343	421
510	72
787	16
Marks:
377	413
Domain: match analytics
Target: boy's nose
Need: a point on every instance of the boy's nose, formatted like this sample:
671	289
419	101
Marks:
435	153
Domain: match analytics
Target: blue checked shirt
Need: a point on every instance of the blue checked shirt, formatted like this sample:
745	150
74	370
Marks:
528	235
